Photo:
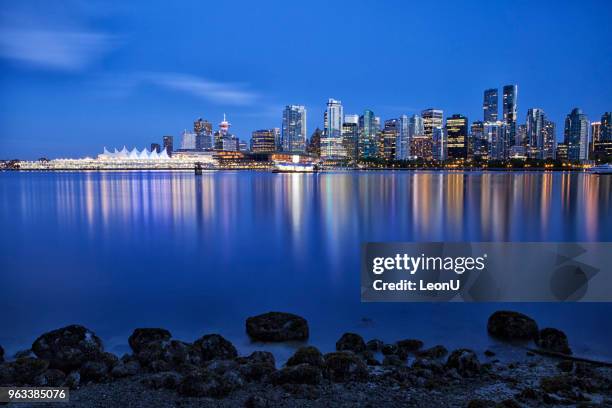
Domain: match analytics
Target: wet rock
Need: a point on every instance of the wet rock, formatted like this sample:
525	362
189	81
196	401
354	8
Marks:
480	403
256	401
433	352
392	360
50	378
207	384
168	380
409	345
368	357
298	374
557	383
432	366
374	345
307	355
215	346
68	348
143	336
508	325
73	380
508	403
24	354
7	374
257	366
465	361
529	394
158	366
553	340
345	366
27	369
566	366
351	342
489	353
95	371
277	326
125	369
178	353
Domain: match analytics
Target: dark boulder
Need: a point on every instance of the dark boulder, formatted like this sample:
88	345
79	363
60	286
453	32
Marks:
257	366
143	336
480	403
394	350
508	325
125	369
24	354
409	345
553	340
256	401
374	345
368	357
7	374
392	360
73	380
566	366
465	361
167	380
69	347
351	342
345	366
50	378
307	355
95	371
489	353
27	369
215	346
209	384
277	326
433	352
298	374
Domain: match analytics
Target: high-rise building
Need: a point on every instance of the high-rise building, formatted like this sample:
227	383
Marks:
521	135
293	131
495	134
243	146
439	144
368	136
351	118
421	147
415	127
155	147
606	127
535	133
432	118
576	135
477	145
402	143
457	137
595	135
489	105
263	141
188	140
331	142
602	148
278	139
204	134
314	144
168	143
561	152
510	110
387	140
350	139
549	137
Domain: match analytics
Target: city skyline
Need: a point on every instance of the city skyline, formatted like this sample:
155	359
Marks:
106	77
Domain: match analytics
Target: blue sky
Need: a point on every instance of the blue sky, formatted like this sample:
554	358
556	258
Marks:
79	75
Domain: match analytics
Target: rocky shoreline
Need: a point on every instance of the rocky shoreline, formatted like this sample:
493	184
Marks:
162	371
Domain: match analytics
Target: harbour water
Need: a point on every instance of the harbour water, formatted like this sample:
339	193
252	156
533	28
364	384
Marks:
198	254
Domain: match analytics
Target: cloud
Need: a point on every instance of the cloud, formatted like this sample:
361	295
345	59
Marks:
218	92
60	50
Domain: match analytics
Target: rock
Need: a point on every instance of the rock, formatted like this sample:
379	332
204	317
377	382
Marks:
307	355
409	345
221	366
508	403
389	349
1	355
50	378
95	371
508	325
24	354
7	374
73	380
68	348
433	352
163	355
345	366
125	369
255	401
257	366
167	379
433	366
374	345
215	346
556	383
143	336
206	384
298	374
27	369
368	357
566	366
392	360
553	340
489	353
351	342
465	361
277	326
480	403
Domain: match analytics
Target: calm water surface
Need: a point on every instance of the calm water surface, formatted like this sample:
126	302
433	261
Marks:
115	251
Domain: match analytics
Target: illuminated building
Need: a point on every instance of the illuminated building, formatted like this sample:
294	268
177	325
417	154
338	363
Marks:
509	108
314	144
495	134
456	137
331	142
550	140
432	118
168	143
478	145
368	136
421	147
489	105
402	142
263	141
388	139
155	147
293	130
561	152
439	143
204	134
535	133
576	135
188	140
350	139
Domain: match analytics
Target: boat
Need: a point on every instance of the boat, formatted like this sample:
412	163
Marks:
601	169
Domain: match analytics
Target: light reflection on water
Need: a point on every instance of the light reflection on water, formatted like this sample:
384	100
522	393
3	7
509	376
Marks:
199	254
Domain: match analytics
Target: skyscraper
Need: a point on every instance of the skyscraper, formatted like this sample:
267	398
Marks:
263	141
168	142
439	142
456	137
351	118
477	145
489	105
432	118
602	148
535	132
606	127
188	140
576	135
495	134
155	147
415	126
368	137
402	143
350	139
293	131
314	144
204	134
331	142
550	140
510	93
387	141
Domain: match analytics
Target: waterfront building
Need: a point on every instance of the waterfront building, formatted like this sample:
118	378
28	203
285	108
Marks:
606	127
562	152
535	133
602	148
402	142
155	147
495	134
243	146
263	141
595	136
421	147
439	144
350	139
332	146
456	137
388	139
415	127
550	140
314	144
576	135
509	107
432	118
188	140
351	118
478	148
521	135
134	155
368	136
168	143
490	105
293	130
204	134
